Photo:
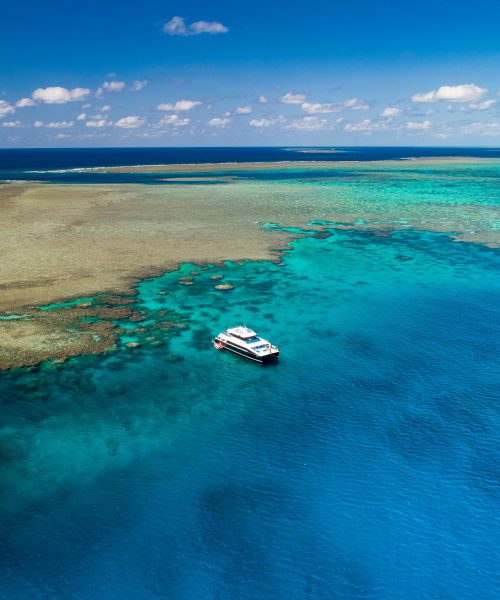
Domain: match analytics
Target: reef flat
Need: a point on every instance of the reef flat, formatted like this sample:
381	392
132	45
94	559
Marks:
273	165
60	242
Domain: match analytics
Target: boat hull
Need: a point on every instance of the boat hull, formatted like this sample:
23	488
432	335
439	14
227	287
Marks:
268	358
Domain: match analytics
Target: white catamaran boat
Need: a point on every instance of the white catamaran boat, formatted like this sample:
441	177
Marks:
247	343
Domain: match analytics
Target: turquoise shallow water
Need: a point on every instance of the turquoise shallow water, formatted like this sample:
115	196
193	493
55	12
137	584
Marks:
363	465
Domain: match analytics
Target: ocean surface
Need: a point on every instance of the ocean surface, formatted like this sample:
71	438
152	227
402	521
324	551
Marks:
363	465
20	163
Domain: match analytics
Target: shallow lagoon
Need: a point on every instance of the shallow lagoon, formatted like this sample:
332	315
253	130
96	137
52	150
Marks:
361	466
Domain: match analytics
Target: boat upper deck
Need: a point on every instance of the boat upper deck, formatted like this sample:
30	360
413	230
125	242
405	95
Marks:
244	333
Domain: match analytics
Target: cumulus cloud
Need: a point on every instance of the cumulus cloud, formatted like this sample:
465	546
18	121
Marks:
466	92
486	105
262	123
217	122
355	104
180	105
59	95
62	136
60	124
390	112
98	123
308	124
113	86
263	100
138	85
366	126
38	124
332	107
291	98
483	129
211	27
178	26
6	109
243	110
81	117
12	124
317	107
369	126
130	122
174	121
418	124
24	102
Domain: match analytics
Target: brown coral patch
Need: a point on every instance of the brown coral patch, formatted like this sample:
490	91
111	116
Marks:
55	335
117	300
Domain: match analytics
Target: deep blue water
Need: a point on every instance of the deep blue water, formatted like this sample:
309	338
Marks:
363	465
70	158
56	165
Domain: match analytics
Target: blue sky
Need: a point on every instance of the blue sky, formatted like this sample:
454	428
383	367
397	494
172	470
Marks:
262	73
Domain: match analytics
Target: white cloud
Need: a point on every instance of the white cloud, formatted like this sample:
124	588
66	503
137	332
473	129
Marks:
291	98
99	123
261	123
12	124
317	107
356	104
217	122
174	121
308	124
138	85
211	27
105	108
38	124
79	93
332	107
60	124
178	26
6	109
59	95
243	110
366	126
390	112
113	86
482	129
179	105
81	117
263	100
485	105
23	102
418	124
467	92
62	136
130	122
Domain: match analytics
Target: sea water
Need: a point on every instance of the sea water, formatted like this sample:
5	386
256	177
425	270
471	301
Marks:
38	160
362	465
